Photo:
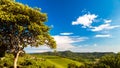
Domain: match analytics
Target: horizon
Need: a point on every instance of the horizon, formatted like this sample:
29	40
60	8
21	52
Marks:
81	26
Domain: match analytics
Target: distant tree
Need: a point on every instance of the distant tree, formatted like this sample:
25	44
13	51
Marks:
72	65
109	61
101	66
20	26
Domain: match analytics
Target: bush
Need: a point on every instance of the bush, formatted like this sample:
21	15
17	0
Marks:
72	65
113	61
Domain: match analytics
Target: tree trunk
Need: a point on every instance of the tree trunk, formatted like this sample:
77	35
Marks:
16	59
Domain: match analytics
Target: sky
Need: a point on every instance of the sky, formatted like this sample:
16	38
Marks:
81	25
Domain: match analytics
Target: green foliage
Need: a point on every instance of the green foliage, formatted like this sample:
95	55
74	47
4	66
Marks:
72	65
107	61
2	51
46	61
37	61
57	61
21	25
6	61
113	61
101	66
81	57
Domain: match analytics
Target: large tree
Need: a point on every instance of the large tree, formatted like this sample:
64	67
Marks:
22	26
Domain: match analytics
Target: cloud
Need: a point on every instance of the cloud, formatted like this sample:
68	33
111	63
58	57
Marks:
66	33
97	48
81	48
39	49
104	27
85	20
103	36
52	26
65	42
95	45
107	21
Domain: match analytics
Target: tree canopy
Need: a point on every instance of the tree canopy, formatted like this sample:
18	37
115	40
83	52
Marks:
21	25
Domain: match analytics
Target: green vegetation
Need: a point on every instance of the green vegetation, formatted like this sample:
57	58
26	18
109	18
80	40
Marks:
48	61
111	60
37	61
81	57
22	26
57	61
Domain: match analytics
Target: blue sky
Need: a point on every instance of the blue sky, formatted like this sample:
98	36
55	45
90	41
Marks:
81	25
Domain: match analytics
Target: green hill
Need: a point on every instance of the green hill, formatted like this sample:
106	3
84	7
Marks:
56	61
38	61
52	61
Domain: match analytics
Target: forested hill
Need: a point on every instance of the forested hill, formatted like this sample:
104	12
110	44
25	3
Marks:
77	55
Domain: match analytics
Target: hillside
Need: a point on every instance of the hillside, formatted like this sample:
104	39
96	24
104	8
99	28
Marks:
52	61
56	61
38	61
90	56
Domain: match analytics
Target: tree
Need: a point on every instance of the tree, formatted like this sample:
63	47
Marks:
109	61
20	26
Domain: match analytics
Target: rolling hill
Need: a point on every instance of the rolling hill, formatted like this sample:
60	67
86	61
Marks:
56	61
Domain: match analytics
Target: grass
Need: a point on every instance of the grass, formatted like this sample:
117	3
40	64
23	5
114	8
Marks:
39	61
58	62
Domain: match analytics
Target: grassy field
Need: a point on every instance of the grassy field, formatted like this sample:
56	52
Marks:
56	61
38	61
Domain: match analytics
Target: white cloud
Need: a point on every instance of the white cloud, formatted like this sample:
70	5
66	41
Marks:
66	33
85	20
95	45
52	26
81	48
88	19
65	42
107	21
39	49
104	27
103	36
97	48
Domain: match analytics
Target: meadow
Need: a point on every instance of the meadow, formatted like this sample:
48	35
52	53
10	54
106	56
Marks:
63	60
38	61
